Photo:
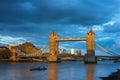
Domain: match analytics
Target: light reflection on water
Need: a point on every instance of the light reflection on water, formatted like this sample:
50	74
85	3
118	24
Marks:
90	72
62	71
53	71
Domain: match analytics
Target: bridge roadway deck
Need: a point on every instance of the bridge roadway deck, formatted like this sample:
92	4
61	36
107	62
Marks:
73	56
71	39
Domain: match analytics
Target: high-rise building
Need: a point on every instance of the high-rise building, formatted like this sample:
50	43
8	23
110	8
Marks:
78	52
72	51
64	51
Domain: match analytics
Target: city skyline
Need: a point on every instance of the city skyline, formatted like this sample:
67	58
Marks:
33	21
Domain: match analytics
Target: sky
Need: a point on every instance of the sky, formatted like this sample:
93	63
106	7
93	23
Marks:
34	20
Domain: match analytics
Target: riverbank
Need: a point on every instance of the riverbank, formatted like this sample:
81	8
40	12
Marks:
31	60
112	76
20	60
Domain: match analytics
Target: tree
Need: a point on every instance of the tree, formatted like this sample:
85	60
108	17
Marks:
5	53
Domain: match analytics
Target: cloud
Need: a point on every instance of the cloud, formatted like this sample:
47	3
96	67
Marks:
110	23
104	38
11	40
60	11
28	6
117	43
114	28
97	28
109	27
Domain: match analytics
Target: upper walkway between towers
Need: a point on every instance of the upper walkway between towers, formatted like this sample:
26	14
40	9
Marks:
71	39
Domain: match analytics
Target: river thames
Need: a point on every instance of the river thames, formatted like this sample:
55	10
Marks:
57	71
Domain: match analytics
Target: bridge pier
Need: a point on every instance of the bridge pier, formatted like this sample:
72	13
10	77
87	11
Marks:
53	58
90	59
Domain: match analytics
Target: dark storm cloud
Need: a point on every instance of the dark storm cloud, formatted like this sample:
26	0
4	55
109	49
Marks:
57	11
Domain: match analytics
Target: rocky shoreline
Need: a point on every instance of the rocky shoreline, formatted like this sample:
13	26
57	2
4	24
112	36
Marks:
112	76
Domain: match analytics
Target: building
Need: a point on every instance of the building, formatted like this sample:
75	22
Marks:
64	51
78	53
72	51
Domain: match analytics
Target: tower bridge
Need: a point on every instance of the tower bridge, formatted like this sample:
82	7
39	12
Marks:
90	42
54	49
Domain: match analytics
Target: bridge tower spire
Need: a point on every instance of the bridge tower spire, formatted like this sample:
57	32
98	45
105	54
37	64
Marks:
53	43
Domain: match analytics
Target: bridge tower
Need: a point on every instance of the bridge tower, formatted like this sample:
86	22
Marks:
91	42
53	48
53	43
90	56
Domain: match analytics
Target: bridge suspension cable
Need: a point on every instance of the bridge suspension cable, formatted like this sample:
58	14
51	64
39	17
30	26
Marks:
106	51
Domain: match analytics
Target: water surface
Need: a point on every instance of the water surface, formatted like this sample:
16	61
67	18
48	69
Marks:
61	71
